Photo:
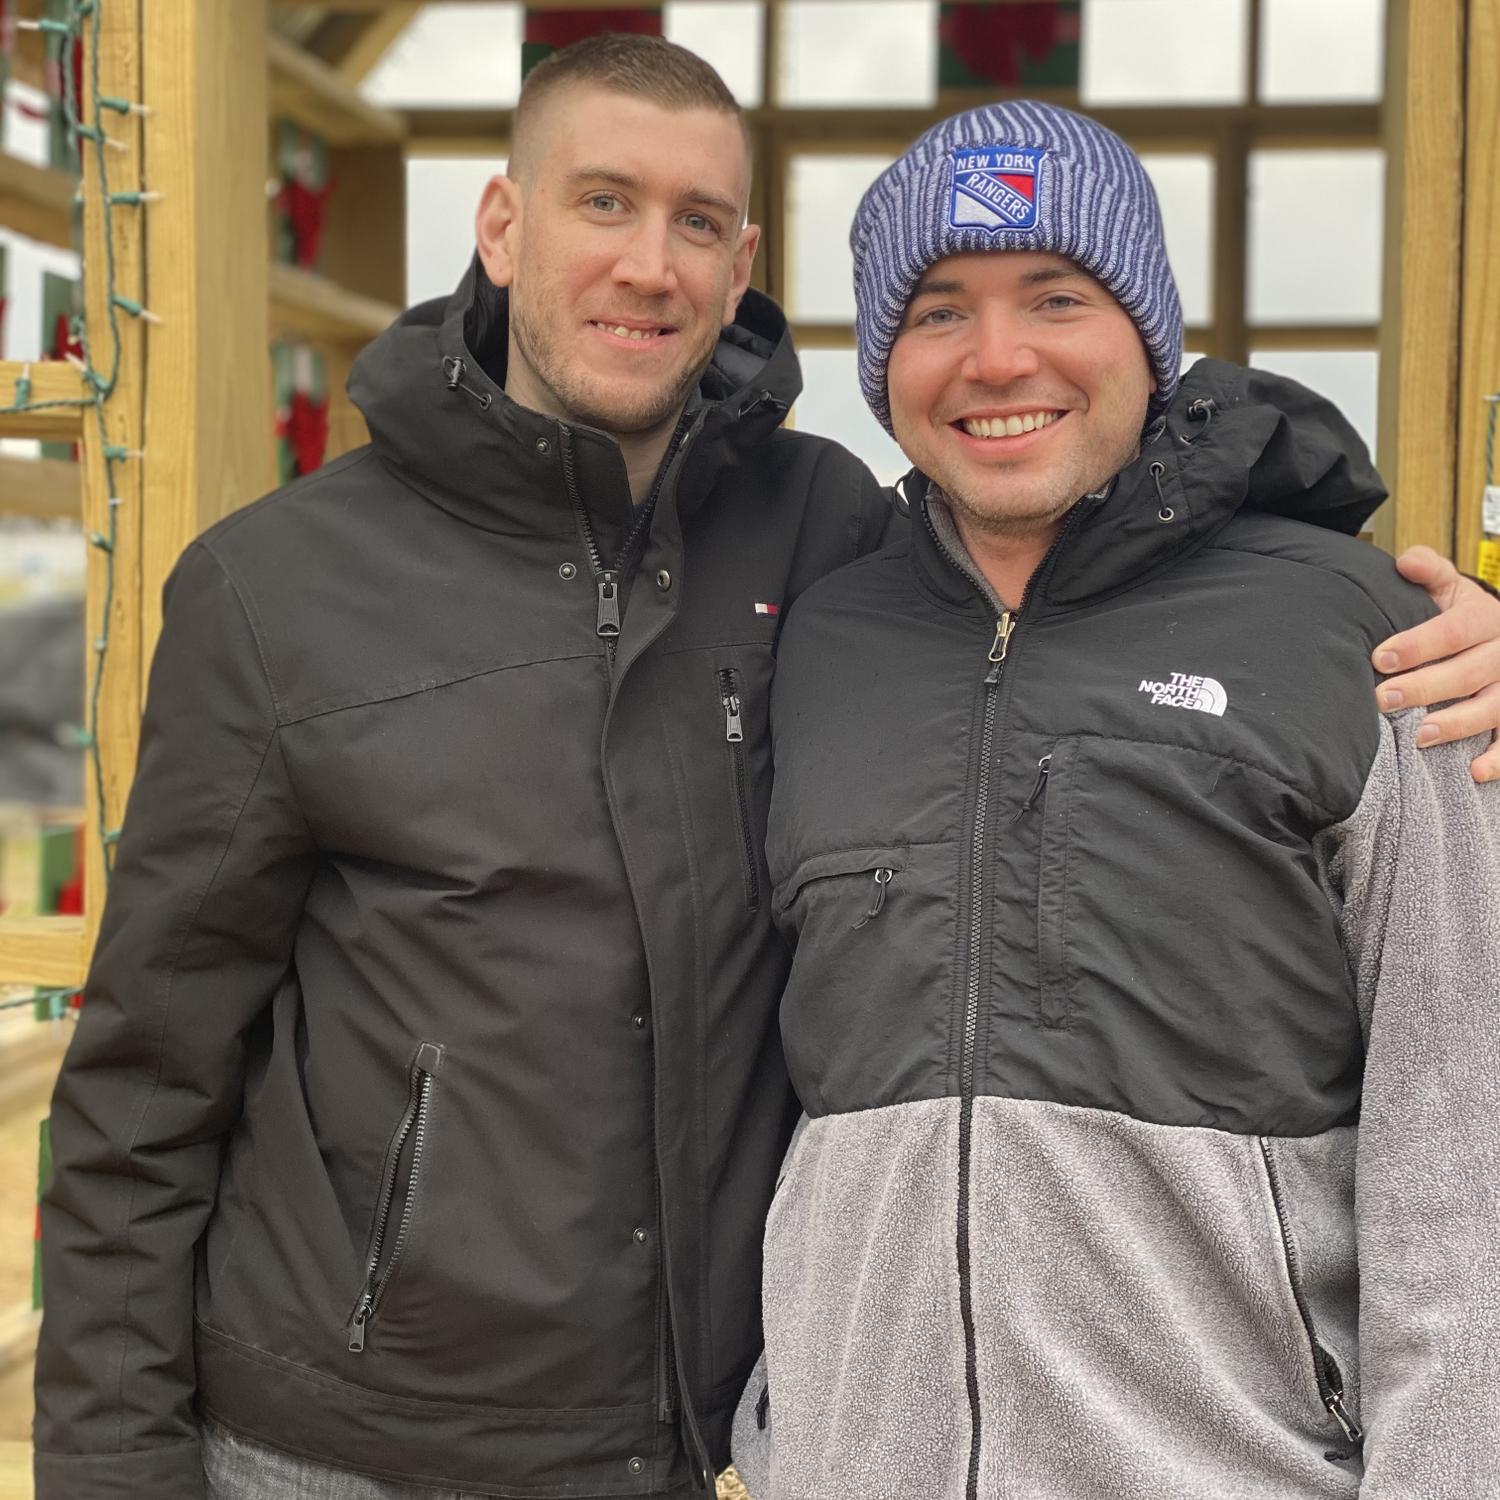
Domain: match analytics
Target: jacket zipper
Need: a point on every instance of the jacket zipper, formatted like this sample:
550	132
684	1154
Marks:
734	737
1005	627
607	580
1326	1372
413	1127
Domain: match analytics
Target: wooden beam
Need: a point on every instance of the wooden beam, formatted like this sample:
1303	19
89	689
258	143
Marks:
312	93
1479	317
52	381
1231	244
37	201
1417	448
44	951
209	415
474	131
1334	336
378	33
47	489
305	305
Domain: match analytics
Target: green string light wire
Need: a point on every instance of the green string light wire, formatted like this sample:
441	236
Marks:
61	37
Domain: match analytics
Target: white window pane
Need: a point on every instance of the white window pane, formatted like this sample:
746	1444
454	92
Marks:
26	263
726	34
1185	188
831	406
1350	378
822	194
1164	51
879	53
1334	49
442	196
1315	236
452	54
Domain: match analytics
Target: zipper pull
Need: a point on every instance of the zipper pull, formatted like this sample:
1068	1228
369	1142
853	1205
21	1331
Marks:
608	622
763	1407
877	898
1004	626
734	729
1340	1413
665	1412
357	1327
1042	767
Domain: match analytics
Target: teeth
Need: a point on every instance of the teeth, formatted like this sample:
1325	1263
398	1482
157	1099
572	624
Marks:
987	427
621	331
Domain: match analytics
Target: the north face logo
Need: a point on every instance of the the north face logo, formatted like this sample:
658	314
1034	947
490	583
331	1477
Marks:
1182	691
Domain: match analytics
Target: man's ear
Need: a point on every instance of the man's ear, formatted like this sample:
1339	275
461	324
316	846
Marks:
744	258
497	228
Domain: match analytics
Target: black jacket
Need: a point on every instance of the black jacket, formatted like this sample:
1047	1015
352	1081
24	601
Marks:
427	1095
1130	937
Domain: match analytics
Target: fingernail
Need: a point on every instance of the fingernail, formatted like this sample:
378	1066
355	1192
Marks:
1390	697
1427	734
1387	661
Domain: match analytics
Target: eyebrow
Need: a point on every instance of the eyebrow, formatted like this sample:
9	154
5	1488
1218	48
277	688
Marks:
623	179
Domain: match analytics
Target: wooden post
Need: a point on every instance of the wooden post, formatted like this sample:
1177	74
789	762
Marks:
1424	124
1479	333
105	275
208	405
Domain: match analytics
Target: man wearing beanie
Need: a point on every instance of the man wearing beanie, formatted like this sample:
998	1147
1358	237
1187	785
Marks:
1143	999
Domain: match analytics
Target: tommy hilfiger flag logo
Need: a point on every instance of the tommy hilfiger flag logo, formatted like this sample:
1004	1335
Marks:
1183	691
995	187
767	609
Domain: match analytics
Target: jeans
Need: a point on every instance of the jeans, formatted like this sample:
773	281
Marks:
236	1468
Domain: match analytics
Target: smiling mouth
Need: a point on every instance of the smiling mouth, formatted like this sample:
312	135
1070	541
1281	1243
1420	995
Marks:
1015	425
624	331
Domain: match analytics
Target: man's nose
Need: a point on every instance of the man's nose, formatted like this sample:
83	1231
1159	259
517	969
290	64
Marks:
1002	351
645	262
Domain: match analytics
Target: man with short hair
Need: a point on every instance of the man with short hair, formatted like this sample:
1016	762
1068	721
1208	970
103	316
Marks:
1143	1006
428	1098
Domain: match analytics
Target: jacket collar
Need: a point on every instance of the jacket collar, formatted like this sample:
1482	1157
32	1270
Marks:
1232	439
431	389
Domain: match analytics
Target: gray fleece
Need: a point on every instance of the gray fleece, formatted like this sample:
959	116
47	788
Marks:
1137	1333
1416	874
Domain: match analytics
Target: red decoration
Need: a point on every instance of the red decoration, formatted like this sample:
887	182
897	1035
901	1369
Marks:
307	426
559	28
994	42
307	210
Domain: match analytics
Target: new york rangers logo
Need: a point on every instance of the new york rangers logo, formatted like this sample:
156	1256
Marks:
995	187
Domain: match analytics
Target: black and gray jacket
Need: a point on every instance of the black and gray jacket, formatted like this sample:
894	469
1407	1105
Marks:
432	1030
1143	1010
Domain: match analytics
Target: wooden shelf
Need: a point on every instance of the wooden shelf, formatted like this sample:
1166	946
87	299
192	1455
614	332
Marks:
312	306
37	201
309	91
51	380
46	951
48	489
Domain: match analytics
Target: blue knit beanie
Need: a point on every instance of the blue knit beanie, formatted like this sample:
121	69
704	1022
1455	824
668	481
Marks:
1014	176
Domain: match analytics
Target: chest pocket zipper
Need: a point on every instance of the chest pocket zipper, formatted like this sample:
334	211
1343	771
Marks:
403	1170
734	737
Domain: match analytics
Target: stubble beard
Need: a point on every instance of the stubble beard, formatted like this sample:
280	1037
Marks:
1015	517
583	401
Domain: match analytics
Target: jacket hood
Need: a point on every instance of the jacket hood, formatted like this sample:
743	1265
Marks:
431	388
1234	439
